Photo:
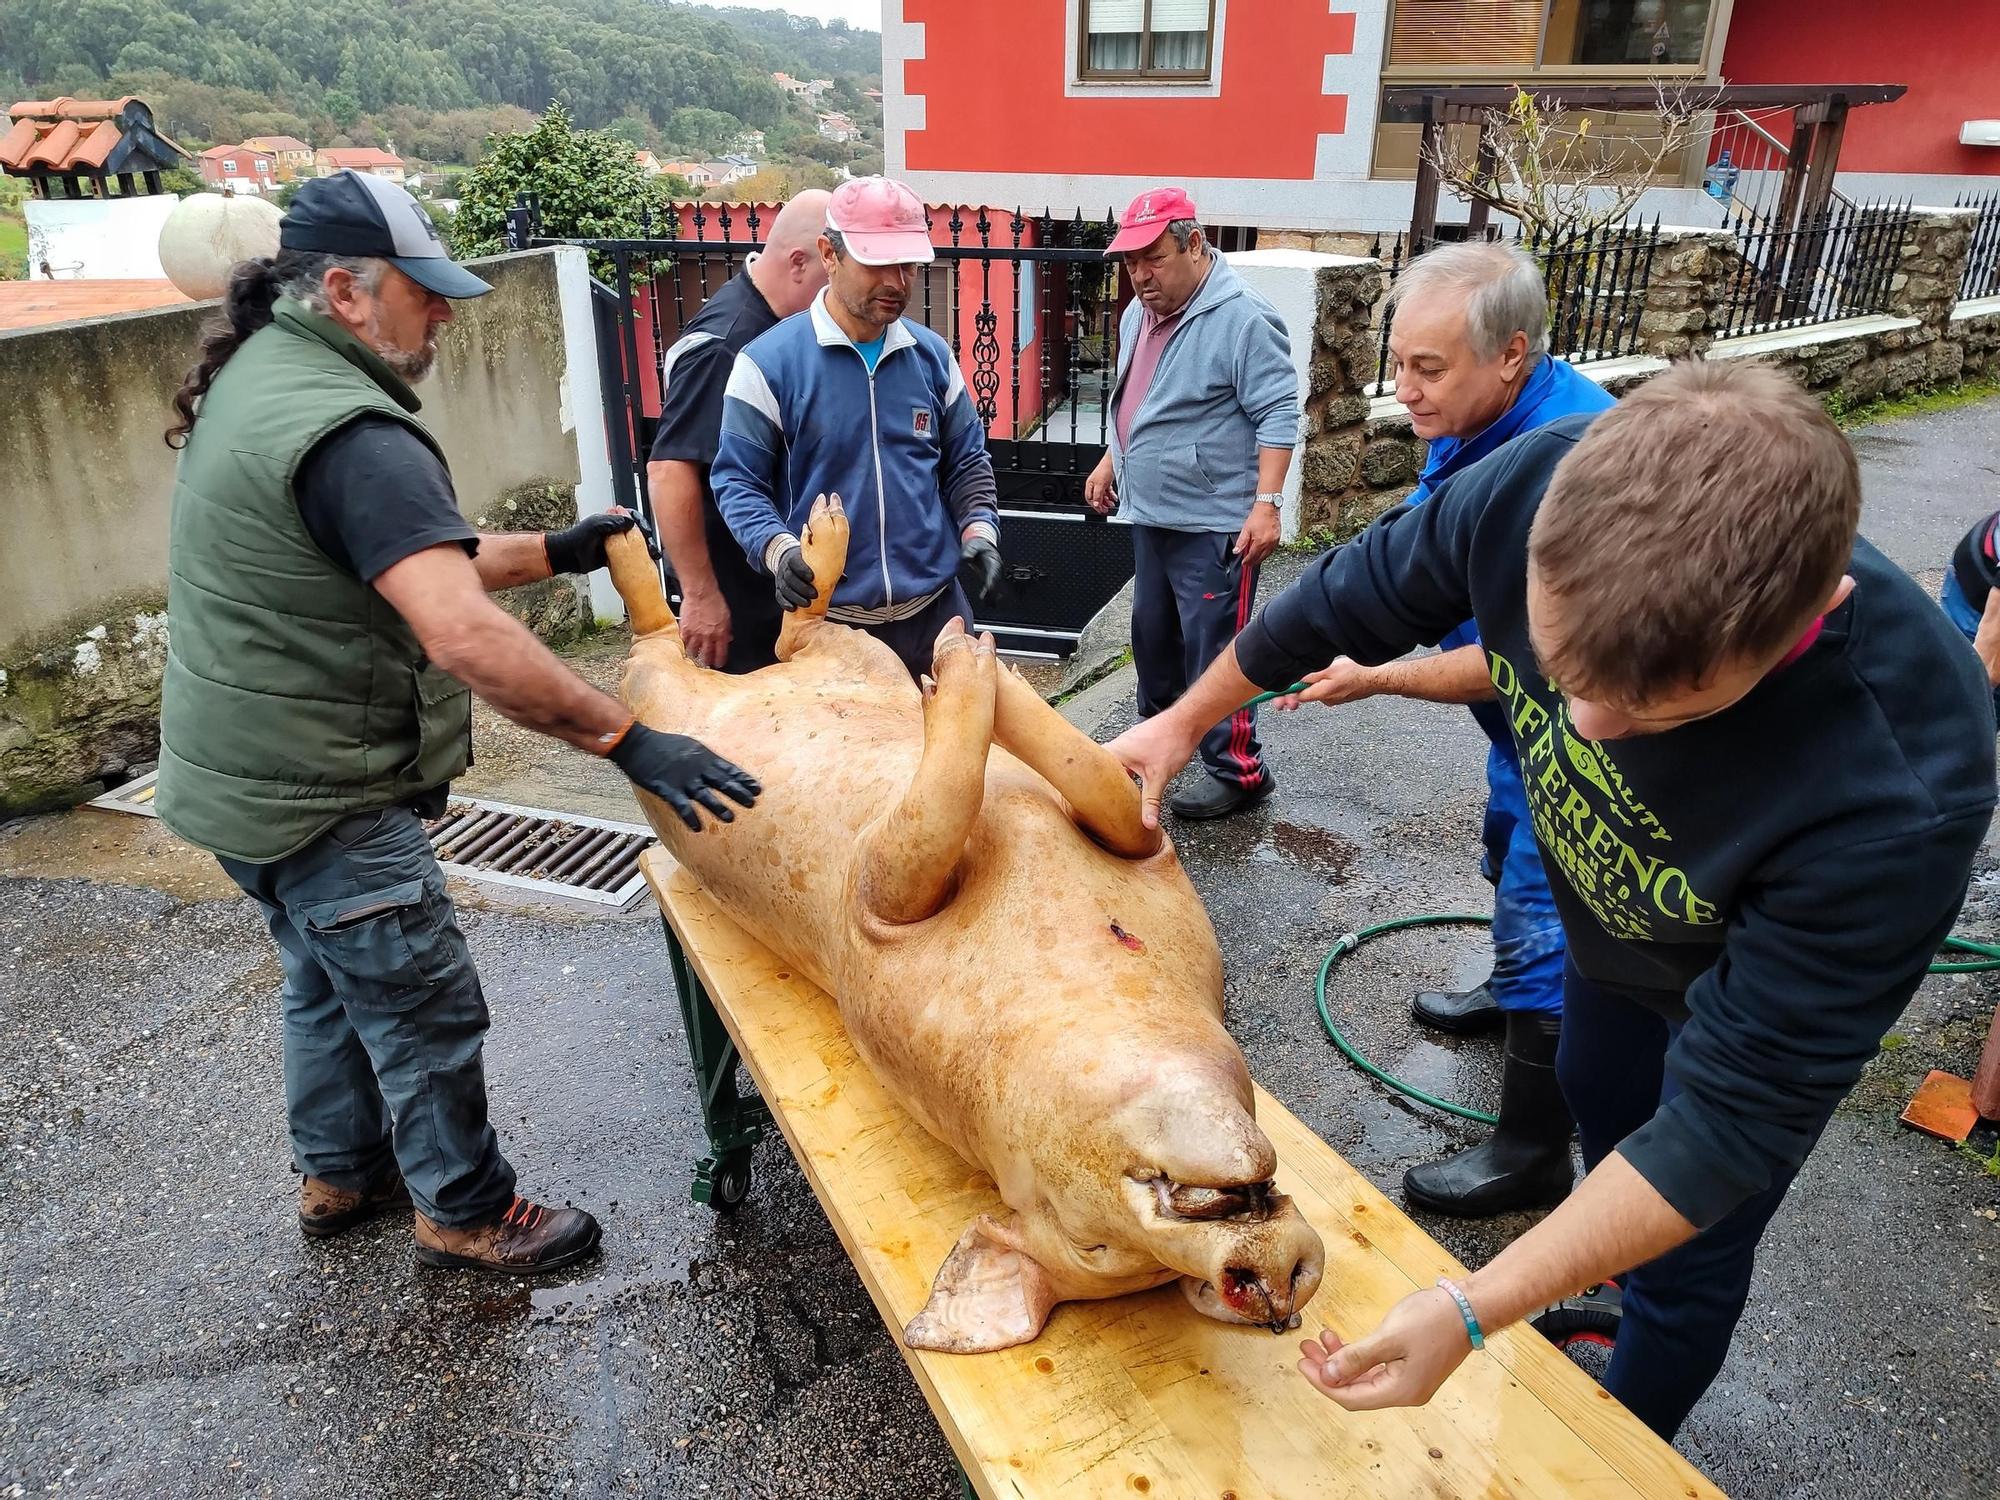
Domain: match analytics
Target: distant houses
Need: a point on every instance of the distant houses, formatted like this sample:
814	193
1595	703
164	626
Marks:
370	159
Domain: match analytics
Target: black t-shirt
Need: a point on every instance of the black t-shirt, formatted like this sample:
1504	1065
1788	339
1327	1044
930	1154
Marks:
1778	875
372	493
694	378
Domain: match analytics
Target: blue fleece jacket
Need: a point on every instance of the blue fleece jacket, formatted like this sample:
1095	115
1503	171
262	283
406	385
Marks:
1553	389
902	446
1224	388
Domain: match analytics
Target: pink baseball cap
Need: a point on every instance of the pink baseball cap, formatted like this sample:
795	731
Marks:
1147	218
882	222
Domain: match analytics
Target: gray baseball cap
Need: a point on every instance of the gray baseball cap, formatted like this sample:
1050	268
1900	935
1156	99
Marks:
352	213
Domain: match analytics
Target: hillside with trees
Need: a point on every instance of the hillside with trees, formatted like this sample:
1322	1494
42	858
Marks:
438	76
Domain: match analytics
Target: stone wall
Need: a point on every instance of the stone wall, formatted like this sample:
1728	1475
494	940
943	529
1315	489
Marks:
1976	330
1362	457
88	479
1335	489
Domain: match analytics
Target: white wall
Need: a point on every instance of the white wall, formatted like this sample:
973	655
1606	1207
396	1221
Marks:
1289	281
93	239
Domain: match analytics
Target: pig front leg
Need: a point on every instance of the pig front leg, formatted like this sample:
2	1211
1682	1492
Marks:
909	857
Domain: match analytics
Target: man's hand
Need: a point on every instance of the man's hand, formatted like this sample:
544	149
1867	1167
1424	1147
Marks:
1259	537
682	772
1402	1363
1343	681
795	578
705	626
1987	641
580	548
1100	488
979	560
1154	751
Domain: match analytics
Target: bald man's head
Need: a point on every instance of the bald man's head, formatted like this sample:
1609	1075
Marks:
790	273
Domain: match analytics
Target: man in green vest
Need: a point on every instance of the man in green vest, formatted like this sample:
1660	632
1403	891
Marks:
329	613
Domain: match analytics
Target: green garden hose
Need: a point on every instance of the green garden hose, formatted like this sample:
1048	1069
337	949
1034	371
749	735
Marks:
1988	960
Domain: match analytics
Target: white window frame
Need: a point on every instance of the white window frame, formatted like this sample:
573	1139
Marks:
1076	86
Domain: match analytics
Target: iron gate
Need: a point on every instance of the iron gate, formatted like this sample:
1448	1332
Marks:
1030	309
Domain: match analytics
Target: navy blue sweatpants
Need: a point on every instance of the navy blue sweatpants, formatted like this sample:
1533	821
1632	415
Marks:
1680	1309
1189	599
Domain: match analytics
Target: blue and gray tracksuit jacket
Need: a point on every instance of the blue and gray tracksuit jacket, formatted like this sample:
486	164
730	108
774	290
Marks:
903	448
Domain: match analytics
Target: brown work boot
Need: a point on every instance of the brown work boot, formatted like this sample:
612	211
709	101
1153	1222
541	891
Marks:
528	1237
325	1210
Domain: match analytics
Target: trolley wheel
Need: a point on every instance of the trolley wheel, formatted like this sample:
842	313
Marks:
730	1183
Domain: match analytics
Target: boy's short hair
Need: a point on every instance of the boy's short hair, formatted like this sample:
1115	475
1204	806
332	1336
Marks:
1699	522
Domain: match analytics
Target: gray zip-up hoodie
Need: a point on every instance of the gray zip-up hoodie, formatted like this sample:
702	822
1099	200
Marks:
1224	388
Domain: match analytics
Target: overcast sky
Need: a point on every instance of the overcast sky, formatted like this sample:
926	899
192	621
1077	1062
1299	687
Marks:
865	13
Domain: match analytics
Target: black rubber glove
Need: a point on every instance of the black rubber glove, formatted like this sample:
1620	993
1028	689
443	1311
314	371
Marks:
683	773
795	579
979	561
580	548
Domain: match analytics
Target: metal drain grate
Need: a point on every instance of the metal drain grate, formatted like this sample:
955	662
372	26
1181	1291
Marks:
528	848
559	854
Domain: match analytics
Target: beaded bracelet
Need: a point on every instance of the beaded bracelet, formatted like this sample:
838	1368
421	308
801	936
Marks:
1472	1329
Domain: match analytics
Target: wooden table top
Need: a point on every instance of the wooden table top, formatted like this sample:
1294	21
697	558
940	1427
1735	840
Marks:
1142	1395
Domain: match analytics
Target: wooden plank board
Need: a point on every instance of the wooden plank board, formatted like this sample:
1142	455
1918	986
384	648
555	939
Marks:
1142	1395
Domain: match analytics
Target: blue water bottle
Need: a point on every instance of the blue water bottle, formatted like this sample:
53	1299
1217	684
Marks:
1719	181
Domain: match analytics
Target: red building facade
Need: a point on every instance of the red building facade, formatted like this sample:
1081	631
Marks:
1269	111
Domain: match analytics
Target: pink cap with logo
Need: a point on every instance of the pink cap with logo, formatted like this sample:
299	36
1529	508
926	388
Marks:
882	222
1147	218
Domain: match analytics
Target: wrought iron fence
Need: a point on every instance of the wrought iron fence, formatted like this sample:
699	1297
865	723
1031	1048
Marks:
1596	280
1982	254
1837	263
1028	304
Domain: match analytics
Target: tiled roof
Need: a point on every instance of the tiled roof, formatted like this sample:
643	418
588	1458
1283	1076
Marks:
276	143
359	156
216	153
71	135
30	304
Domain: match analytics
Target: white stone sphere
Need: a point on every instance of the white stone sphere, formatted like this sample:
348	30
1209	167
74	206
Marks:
210	232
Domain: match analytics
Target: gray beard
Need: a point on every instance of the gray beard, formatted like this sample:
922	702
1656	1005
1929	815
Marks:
413	367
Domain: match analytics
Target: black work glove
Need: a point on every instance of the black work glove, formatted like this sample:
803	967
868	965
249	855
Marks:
979	561
682	772
795	579
580	548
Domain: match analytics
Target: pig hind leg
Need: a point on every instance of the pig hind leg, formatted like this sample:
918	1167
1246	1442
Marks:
909	857
1101	797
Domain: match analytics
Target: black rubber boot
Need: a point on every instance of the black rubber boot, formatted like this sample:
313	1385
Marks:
1461	1012
1526	1162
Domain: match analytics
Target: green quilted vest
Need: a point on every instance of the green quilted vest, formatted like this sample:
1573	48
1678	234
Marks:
294	695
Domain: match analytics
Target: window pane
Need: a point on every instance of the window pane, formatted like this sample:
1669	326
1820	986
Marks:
1628	33
1180	15
1180	51
1487	33
1113	54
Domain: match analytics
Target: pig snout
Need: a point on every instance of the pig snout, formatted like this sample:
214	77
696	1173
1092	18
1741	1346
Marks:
1245	1252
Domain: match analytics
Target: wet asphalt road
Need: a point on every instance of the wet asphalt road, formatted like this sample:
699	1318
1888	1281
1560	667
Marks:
165	1330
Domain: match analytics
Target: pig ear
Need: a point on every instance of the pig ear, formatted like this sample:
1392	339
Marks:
988	1295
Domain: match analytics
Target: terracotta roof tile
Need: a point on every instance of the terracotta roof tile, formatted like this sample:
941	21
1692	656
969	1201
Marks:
31	304
53	149
276	143
15	143
70	135
97	147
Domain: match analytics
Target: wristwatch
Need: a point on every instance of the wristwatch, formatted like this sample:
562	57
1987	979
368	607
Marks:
1273	498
